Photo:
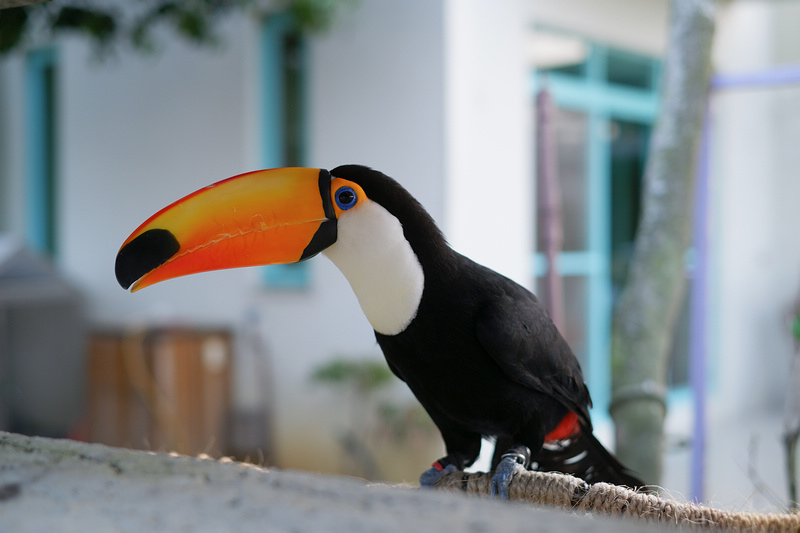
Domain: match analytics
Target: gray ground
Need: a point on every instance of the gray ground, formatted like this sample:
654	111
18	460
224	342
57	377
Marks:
57	485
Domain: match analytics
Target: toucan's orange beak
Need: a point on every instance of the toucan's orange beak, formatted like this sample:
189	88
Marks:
266	217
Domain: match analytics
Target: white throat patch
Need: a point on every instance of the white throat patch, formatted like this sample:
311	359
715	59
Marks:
377	260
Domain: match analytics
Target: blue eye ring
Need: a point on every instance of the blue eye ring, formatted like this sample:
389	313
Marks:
345	197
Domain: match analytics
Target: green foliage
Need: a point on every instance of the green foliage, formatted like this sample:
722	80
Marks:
374	420
12	27
402	420
364	376
97	24
192	20
315	15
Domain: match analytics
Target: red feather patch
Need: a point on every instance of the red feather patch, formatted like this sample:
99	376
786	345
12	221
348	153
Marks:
565	429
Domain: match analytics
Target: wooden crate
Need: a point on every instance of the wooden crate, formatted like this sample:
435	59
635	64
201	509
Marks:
160	389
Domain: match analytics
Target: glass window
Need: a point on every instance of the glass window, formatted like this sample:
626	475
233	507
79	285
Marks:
606	102
574	329
628	146
630	70
571	133
576	292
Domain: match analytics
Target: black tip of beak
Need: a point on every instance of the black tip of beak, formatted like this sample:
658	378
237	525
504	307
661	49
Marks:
149	250
324	237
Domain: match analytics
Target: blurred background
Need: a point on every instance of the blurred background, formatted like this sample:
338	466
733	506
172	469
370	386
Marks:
277	365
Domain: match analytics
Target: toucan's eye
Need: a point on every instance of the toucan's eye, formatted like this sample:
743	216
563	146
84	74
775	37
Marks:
345	198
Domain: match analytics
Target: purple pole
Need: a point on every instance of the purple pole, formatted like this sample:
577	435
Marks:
784	75
697	345
774	77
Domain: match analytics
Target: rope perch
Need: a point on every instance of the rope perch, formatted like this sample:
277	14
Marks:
574	494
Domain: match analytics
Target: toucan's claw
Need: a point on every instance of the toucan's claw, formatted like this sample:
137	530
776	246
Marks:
516	459
432	476
503	475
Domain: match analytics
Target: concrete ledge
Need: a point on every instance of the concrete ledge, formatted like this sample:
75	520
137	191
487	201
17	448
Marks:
60	485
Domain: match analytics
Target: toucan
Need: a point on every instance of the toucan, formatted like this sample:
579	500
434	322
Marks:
478	350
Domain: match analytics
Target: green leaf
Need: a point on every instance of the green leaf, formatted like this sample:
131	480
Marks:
98	24
365	376
13	25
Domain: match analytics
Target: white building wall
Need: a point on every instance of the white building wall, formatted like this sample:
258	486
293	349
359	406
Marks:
138	132
755	258
489	146
755	194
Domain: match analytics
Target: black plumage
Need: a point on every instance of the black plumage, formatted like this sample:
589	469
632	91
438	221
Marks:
483	356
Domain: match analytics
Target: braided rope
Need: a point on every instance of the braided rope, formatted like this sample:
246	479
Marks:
571	493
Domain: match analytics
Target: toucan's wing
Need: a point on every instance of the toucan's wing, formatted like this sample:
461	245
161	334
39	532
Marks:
516	331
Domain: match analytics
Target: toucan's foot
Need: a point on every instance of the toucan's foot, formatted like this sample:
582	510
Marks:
505	471
503	476
433	475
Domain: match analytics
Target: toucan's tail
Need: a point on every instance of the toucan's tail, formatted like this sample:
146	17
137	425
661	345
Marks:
583	456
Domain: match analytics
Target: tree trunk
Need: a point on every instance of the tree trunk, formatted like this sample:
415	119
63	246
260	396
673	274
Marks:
645	315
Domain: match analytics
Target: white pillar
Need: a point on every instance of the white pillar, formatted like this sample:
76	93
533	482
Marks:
488	135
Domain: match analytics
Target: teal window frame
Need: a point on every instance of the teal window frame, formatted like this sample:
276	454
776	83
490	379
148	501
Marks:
283	121
585	89
41	150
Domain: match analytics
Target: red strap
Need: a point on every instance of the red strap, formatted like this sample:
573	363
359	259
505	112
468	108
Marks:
565	429
438	466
